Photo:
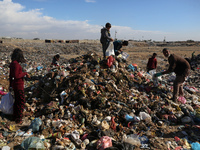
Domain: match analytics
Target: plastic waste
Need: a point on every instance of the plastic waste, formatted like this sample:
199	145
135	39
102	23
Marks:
132	139
144	116
104	142
33	143
182	99
39	68
105	125
132	67
186	119
125	55
6	105
35	124
195	146
5	148
28	133
110	61
152	72
130	118
110	50
2	92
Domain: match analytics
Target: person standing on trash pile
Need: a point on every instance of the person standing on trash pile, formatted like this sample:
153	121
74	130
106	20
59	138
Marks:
181	68
152	63
55	60
118	45
105	38
16	79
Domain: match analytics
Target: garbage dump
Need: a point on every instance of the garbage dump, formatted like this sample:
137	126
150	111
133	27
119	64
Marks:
91	103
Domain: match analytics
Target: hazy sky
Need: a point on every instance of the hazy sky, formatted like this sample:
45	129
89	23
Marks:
83	19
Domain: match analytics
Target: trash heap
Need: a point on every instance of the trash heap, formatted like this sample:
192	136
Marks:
84	104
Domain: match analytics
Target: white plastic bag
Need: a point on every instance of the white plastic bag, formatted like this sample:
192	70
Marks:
110	50
7	102
152	72
125	55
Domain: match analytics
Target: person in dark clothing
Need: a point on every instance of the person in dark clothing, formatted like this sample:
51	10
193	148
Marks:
181	67
105	38
118	45
55	60
16	79
152	62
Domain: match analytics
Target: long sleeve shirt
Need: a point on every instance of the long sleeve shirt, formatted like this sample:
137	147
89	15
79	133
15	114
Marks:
178	65
16	76
152	63
105	35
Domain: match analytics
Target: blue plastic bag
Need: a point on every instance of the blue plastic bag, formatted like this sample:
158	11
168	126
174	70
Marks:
195	146
35	124
33	143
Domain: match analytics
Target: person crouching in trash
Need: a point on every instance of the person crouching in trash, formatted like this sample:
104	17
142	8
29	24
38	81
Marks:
118	45
152	63
55	60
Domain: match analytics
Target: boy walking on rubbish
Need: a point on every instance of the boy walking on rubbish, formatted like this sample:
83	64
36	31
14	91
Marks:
181	68
105	38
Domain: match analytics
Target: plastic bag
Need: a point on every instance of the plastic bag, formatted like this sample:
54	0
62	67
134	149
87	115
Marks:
182	99
33	143
104	142
110	50
35	124
7	102
132	139
110	61
125	55
195	146
152	72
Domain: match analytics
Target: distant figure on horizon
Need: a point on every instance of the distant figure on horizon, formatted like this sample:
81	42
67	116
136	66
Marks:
118	45
55	60
152	63
105	38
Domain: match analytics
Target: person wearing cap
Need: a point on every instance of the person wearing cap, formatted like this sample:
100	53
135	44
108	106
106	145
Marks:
118	45
105	38
181	67
152	63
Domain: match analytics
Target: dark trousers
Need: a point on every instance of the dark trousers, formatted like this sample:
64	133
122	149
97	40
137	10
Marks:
104	47
18	106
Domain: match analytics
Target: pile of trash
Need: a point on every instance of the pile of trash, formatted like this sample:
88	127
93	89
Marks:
93	103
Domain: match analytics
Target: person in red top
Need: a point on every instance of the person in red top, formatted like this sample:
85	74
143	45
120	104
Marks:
16	79
152	63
